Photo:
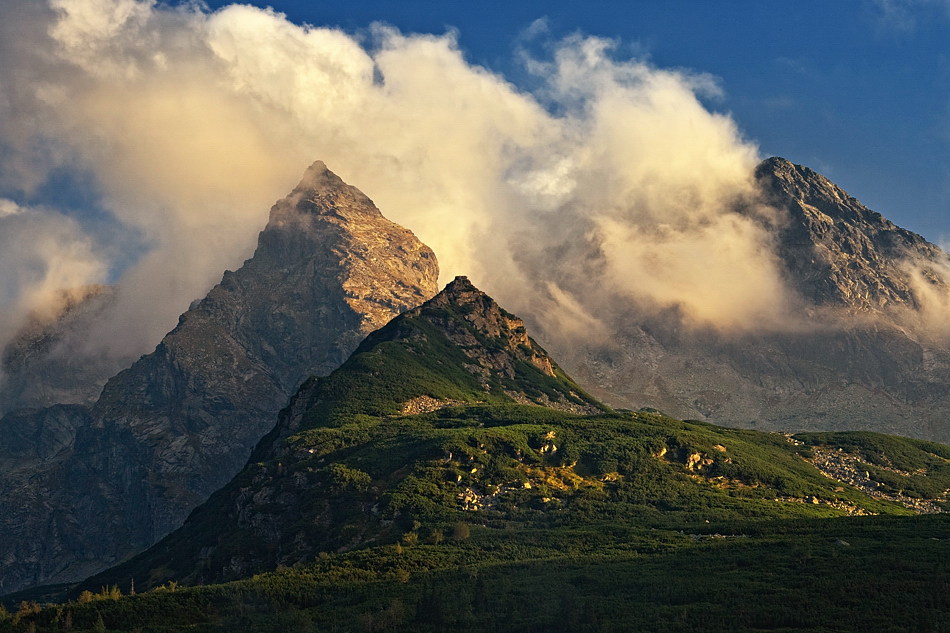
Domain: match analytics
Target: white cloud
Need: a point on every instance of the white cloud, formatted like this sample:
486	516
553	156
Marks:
8	207
41	254
612	183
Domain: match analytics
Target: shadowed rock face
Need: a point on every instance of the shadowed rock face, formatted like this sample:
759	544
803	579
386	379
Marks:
280	509
181	421
863	362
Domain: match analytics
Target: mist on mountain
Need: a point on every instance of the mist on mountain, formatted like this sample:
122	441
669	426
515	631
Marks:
613	174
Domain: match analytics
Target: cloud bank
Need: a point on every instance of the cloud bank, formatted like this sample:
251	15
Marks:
609	189
42	253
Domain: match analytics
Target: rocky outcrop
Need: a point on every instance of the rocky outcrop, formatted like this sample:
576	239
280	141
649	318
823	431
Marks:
290	502
482	319
850	469
859	360
89	486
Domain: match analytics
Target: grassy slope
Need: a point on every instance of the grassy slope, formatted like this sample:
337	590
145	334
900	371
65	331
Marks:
619	521
622	543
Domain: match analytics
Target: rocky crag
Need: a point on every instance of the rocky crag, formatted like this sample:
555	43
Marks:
83	487
839	253
866	359
459	351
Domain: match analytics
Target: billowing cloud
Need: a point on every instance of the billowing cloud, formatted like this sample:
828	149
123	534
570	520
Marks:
610	188
42	253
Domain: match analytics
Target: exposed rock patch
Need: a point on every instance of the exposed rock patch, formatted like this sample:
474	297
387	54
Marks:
427	404
846	468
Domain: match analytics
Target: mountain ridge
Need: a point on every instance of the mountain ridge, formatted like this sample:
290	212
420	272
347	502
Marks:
356	493
864	351
449	475
176	425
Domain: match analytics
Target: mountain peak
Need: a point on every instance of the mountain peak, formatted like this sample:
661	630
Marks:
781	176
322	192
837	251
462	292
319	177
461	285
483	315
178	423
458	347
495	342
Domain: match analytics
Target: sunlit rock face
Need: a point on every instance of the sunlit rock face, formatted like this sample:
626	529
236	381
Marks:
866	346
86	486
836	251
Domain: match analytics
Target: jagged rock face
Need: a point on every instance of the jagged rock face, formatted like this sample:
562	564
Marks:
458	349
836	251
41	365
859	364
181	421
481	314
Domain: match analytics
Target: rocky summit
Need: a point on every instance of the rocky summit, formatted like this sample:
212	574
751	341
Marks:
863	361
836	251
83	487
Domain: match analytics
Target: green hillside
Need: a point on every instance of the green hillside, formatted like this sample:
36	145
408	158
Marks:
451	476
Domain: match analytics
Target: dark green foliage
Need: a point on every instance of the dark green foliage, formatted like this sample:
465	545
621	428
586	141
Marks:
916	468
461	531
487	515
346	478
369	479
859	574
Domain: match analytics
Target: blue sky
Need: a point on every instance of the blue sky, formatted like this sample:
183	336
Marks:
143	142
857	90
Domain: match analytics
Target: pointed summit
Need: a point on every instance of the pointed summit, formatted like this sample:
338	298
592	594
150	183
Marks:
319	177
458	347
867	349
836	251
320	191
324	223
487	348
458	354
503	336
181	421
